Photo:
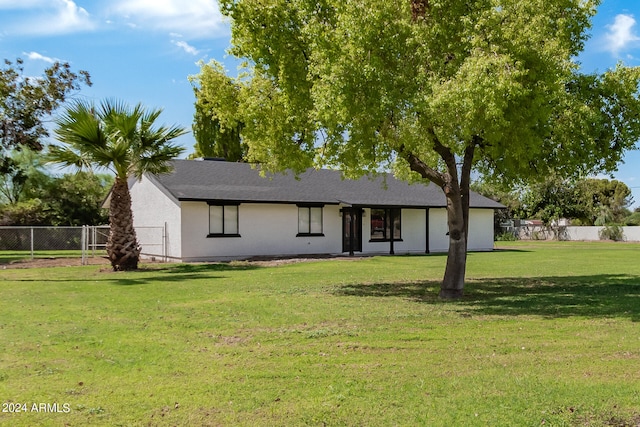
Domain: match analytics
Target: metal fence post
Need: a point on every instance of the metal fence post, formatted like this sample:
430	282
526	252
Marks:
83	245
32	255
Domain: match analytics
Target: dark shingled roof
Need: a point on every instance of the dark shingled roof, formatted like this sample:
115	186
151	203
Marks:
208	180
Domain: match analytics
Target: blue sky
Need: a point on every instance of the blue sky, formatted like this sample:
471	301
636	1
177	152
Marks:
144	50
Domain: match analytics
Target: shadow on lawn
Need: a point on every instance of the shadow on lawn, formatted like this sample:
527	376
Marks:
589	296
116	280
180	273
167	274
209	267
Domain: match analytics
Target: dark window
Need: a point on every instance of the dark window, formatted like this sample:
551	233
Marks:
223	220
381	226
310	221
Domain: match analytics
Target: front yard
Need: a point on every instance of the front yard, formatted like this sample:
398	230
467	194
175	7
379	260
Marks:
547	334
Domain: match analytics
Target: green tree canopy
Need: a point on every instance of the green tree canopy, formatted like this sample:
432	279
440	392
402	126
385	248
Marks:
589	201
552	199
438	88
24	174
612	195
25	102
216	135
73	199
76	199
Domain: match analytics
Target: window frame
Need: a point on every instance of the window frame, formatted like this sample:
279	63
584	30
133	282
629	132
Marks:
303	208
385	218
225	232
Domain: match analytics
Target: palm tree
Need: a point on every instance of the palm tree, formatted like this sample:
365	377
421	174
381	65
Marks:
124	141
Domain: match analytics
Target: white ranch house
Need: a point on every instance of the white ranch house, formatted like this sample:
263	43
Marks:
215	210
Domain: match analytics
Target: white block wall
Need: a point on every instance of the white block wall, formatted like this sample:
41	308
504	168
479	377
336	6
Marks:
152	208
630	234
270	230
264	230
480	230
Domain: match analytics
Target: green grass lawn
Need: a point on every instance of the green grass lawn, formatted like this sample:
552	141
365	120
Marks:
547	334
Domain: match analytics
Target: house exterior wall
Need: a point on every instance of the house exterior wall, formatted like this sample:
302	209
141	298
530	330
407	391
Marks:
271	230
265	229
152	208
413	234
438	229
480	230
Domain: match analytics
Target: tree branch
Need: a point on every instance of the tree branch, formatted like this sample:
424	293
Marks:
425	171
447	155
419	9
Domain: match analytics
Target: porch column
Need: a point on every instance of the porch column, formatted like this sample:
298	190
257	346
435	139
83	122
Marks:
427	233
391	232
351	231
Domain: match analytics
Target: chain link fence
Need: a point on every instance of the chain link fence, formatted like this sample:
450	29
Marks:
74	242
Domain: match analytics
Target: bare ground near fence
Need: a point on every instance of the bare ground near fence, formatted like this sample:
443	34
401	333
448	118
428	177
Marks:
53	262
258	261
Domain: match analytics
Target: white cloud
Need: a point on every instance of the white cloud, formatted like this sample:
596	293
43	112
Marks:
35	56
621	35
186	47
193	19
40	17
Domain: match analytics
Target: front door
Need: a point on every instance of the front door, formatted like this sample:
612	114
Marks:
351	230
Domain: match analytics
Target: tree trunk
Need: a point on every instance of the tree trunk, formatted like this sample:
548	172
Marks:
457	194
453	282
122	246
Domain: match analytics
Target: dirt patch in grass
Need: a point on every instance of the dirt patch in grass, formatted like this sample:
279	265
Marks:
275	261
76	262
609	420
53	262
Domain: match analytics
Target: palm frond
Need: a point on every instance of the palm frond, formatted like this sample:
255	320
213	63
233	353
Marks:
118	137
67	157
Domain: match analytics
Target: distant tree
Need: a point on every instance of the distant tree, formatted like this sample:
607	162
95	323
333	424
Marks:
551	199
25	102
215	136
633	219
125	141
27	212
589	201
605	199
76	199
24	174
29	195
439	87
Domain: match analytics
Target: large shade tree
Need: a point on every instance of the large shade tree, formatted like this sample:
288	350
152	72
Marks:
434	88
126	141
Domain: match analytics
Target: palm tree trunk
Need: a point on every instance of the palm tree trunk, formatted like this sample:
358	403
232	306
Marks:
122	246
